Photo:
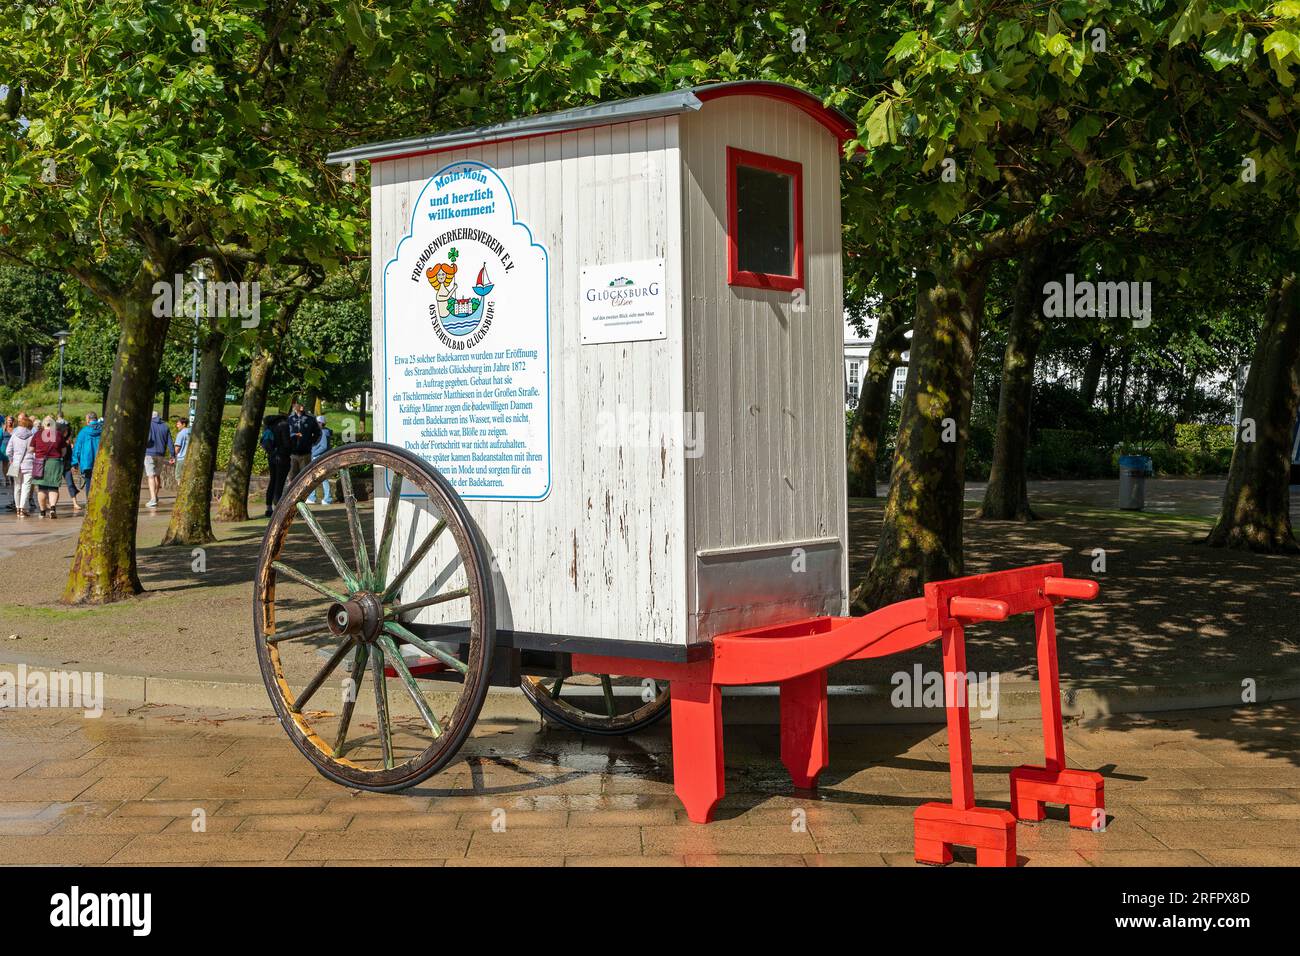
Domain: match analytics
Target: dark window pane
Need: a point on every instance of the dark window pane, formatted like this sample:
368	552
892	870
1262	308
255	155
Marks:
764	221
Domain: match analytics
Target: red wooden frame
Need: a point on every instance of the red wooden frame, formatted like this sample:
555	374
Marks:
772	164
795	656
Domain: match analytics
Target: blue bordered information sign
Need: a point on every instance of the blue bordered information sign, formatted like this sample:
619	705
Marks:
466	338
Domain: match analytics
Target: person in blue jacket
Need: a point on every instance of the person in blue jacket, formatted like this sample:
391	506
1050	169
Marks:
86	449
321	447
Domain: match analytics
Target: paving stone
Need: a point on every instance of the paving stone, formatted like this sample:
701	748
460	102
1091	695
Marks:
382	845
561	842
78	849
207	847
295	822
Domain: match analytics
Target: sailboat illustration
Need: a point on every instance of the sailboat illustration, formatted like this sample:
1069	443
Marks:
482	285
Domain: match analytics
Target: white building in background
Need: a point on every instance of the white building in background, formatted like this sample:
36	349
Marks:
857	349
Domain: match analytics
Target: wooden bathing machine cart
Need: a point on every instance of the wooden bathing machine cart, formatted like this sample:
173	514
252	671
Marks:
612	460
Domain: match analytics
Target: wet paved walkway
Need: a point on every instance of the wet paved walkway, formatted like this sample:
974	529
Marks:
1208	787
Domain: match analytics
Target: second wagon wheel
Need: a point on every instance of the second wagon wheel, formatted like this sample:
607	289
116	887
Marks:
598	703
336	590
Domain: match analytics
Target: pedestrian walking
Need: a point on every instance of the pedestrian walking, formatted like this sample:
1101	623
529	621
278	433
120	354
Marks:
21	460
85	449
321	447
303	435
182	445
65	429
6	432
159	449
275	442
47	467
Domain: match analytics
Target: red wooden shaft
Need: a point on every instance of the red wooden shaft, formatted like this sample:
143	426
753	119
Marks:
1049	688
955	703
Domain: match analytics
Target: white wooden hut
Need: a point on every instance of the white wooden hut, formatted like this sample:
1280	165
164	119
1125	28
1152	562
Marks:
617	331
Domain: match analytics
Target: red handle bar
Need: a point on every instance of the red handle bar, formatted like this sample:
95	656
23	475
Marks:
978	609
1070	588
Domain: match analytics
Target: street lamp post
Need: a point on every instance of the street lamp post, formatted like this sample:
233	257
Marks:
63	341
200	276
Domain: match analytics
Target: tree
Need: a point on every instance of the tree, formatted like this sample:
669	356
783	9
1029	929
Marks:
191	518
1006	497
31	311
156	144
873	399
233	505
1256	512
995	133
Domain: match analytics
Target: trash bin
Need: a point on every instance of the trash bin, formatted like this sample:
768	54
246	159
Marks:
1133	471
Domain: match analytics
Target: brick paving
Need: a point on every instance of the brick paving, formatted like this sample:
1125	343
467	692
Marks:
1218	787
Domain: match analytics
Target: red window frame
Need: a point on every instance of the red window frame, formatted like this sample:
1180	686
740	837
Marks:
763	280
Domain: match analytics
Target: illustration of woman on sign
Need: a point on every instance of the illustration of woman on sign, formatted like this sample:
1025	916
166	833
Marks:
443	279
458	316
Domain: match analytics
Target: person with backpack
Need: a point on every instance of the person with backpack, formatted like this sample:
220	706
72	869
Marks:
321	447
303	434
85	449
158	449
275	442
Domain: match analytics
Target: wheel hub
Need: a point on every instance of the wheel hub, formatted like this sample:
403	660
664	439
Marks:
362	617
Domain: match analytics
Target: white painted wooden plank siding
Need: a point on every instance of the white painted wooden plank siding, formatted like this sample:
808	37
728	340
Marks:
612	551
763	376
603	555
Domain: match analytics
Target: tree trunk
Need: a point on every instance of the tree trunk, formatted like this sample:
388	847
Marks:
167	404
1092	372
873	400
191	521
1007	496
1256	514
921	537
233	505
103	567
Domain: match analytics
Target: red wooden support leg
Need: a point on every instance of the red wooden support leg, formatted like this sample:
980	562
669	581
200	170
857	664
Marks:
804	739
1082	791
939	826
697	747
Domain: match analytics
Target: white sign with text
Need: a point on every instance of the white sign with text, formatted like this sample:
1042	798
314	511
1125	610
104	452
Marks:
466	339
623	302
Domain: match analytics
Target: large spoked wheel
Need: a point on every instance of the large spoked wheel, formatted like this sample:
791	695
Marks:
325	622
598	703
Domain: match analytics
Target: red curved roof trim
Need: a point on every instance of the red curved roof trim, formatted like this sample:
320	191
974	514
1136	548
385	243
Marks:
835	122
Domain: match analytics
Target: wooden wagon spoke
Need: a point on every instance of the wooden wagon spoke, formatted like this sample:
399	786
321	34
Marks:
433	650
345	719
381	706
385	549
355	531
413	561
404	672
607	687
328	547
293	633
310	582
301	700
399	609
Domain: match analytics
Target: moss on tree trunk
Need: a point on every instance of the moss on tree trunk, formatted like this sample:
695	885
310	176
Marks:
873	400
233	505
191	520
1006	497
103	566
921	536
1257	501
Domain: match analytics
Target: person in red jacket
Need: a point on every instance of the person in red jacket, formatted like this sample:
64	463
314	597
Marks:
47	470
